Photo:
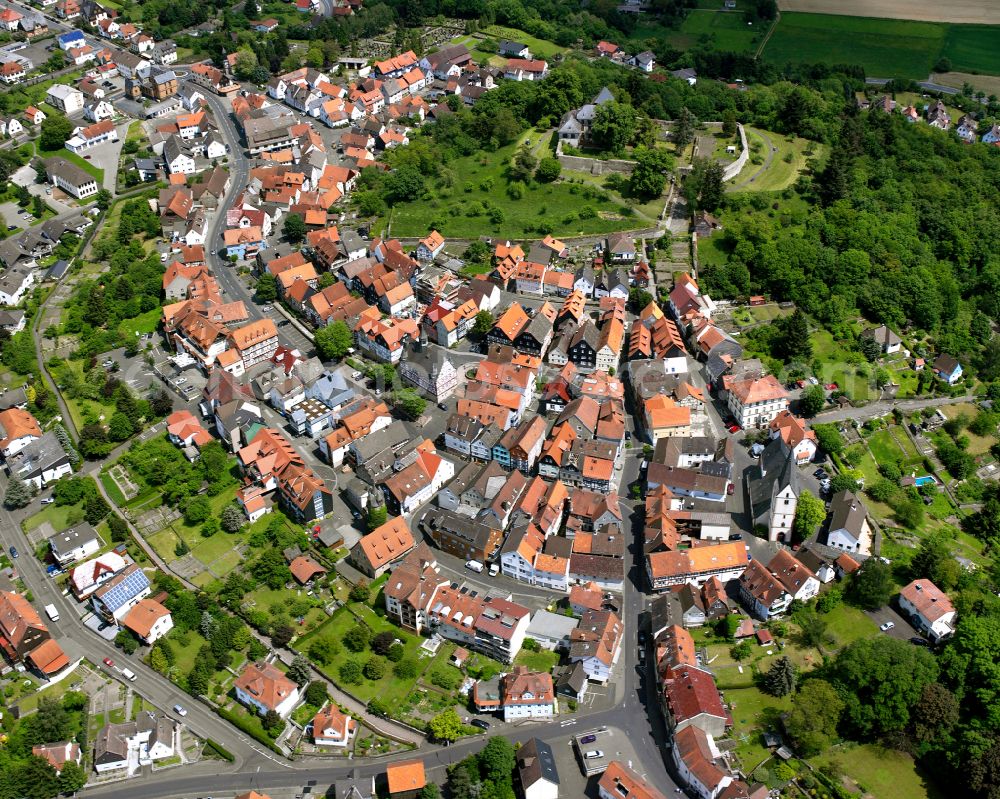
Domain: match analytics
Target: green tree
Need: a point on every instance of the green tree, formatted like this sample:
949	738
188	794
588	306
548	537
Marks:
374	668
870	348
482	324
871	586
408	403
843	482
361	591
316	693
246	63
356	639
103	199
158	661
683	132
933	561
381	642
614	126
703	188
497	760
405	669
649	177
809	514
294	228
56	128
445	726
270	568
299	671
375	518
742	650
812	721
126	641
273	723
266	289
813	628
72	777
378	707
812	401
935	713
880	680
779	680
197	510
282	635
232	518
396	652
18	493
523	164
350	672
36	777
548	170
334	340
429	791
321	650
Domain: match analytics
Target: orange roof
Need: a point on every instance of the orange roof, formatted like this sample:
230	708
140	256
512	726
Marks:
433	240
662	411
304	569
253	333
15	424
761	390
48	657
241	235
407	775
266	683
143	616
597	468
512	322
388	542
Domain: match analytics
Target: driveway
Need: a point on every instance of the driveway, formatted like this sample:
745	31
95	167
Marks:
105	156
902	631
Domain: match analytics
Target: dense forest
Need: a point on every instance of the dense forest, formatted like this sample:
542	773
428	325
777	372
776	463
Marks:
900	225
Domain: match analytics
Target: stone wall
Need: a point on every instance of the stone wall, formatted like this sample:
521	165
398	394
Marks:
734	168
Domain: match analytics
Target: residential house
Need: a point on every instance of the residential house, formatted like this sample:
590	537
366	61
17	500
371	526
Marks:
132	744
65	98
768	591
149	621
382	547
18	429
619	781
41	462
331	727
948	369
75	544
848	528
70	178
116	597
929	609
794	432
263	687
755	402
405	779
888	342
596	643
527	694
536	770
725	561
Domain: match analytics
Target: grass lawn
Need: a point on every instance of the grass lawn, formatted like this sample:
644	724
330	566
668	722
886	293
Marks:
540	48
86	166
390	688
978	445
543	660
780	173
61	517
143	323
753	713
973	48
722	30
884	47
885	448
83	410
112	488
460	210
848	624
164	543
881	773
837	366
216	546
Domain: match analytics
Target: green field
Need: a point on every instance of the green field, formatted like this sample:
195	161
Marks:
540	48
61	517
884	47
973	48
724	30
787	163
884	773
460	207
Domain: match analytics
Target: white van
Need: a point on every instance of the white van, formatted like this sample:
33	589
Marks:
475	565
128	674
494	570
51	612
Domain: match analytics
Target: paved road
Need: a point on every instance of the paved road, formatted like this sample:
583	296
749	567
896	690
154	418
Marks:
150	684
883	407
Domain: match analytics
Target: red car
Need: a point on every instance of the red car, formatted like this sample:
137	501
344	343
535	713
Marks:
734	428
831	386
109	663
731	489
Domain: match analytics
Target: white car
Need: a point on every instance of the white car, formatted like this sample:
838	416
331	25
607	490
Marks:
887	626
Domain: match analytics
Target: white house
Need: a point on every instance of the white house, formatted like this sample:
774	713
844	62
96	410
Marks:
527	694
149	621
69	546
14	284
98	111
596	643
848	528
536	767
330	727
264	687
755	402
134	743
929	608
65	98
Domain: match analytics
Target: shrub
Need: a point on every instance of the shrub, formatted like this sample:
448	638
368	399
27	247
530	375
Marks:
350	672
356	639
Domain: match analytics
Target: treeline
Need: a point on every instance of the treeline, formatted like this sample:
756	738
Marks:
900	225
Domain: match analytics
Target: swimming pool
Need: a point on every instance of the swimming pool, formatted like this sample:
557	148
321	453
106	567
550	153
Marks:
922	481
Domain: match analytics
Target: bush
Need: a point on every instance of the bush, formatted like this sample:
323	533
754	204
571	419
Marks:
374	668
356	639
350	672
445	679
396	652
405	669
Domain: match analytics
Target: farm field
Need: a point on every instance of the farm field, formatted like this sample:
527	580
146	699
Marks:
886	48
973	48
728	31
967	11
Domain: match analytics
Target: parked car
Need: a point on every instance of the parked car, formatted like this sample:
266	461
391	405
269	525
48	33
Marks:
731	489
46	501
588	739
887	626
918	641
483	725
819	473
733	428
831	386
109	663
593	754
